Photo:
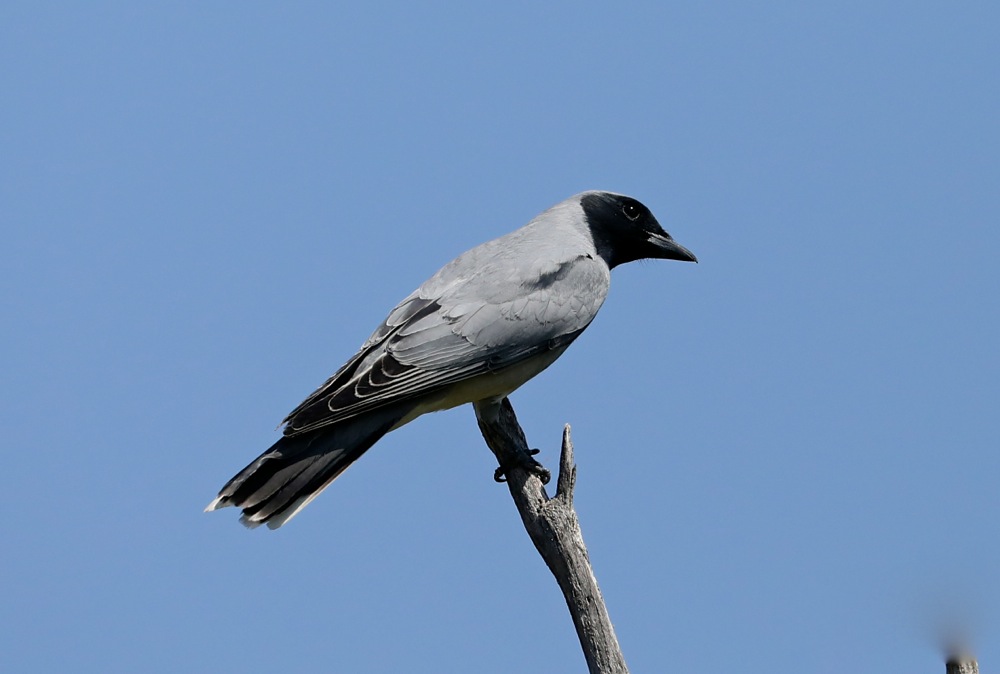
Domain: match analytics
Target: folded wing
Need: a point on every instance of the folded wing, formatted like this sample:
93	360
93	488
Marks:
451	330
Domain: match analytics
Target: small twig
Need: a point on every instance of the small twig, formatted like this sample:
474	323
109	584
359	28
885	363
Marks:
554	528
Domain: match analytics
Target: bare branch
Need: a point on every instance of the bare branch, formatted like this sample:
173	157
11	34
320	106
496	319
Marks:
567	469
554	528
961	664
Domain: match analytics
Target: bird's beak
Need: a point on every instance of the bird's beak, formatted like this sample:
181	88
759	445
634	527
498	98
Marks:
668	249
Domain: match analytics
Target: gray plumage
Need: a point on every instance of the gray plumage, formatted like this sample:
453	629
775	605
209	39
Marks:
484	324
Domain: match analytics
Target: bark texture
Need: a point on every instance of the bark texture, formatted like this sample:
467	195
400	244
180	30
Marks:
554	528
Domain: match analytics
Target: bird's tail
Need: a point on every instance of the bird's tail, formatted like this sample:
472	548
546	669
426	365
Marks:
284	479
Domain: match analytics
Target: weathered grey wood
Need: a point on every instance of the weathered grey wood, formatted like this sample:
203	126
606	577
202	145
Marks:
554	528
961	664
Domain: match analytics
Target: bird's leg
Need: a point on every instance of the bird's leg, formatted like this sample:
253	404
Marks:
505	438
528	463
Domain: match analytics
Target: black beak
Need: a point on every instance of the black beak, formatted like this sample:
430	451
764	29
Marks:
667	249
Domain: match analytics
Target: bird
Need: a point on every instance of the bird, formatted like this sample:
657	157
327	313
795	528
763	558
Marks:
479	328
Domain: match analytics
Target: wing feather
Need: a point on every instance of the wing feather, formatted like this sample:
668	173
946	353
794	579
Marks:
466	330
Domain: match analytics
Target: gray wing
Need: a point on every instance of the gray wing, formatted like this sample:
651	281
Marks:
479	314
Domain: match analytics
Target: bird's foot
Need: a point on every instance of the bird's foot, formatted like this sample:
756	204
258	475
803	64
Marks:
528	463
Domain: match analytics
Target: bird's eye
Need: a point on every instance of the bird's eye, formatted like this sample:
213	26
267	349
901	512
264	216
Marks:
631	211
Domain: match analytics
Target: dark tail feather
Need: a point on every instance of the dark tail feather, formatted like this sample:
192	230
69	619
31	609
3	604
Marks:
284	479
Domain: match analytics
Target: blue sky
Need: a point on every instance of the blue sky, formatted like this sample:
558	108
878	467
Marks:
787	454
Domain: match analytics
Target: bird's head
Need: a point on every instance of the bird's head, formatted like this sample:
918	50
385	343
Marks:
624	230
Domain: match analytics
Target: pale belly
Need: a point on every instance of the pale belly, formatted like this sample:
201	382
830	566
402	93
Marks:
494	385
